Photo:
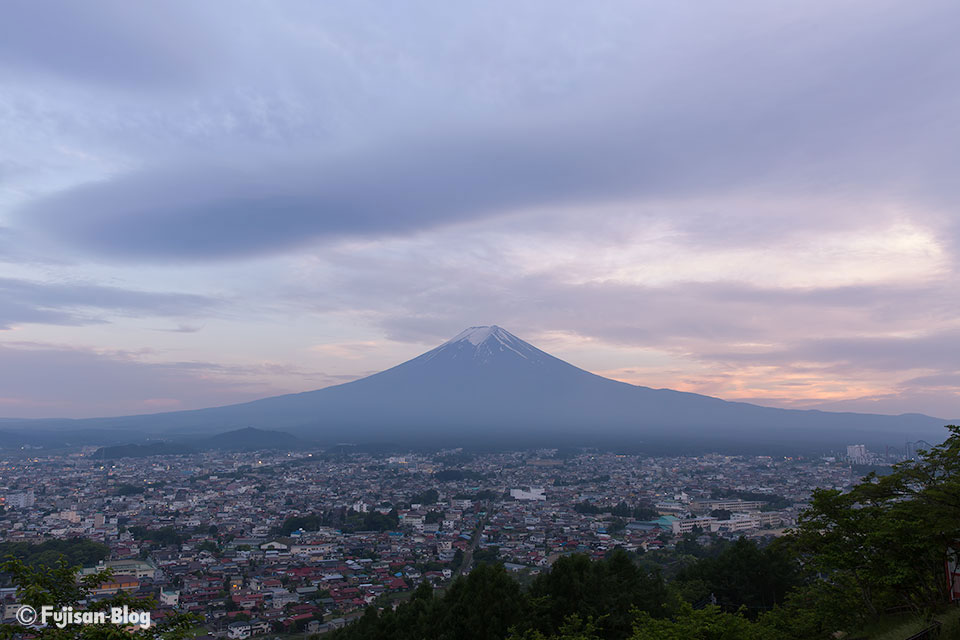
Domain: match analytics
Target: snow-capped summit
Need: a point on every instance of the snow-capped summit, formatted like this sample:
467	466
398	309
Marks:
476	335
484	343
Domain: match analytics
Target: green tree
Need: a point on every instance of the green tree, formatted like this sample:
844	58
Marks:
709	623
616	525
573	628
128	490
76	551
884	543
208	545
604	592
60	586
430	496
165	536
743	575
482	606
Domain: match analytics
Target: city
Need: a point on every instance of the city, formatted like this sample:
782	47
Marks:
267	541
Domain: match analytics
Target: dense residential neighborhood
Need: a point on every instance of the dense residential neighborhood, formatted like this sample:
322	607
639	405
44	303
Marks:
298	541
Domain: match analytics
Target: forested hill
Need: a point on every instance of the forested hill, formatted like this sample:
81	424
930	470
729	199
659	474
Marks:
580	598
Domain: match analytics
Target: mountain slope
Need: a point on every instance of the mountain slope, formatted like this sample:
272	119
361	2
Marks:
486	385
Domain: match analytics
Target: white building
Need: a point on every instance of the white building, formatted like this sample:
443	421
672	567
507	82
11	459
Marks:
20	500
239	630
734	504
706	523
282	597
857	453
740	522
10	611
528	493
138	569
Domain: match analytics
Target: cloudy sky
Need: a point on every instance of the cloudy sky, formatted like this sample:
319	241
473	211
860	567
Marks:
203	203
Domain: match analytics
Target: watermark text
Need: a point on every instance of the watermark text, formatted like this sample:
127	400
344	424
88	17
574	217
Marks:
63	616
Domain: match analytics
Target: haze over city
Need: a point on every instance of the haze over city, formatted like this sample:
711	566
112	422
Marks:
201	206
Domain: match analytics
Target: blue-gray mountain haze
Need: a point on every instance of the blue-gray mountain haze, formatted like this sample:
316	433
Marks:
487	387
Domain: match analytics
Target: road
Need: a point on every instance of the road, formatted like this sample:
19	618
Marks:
474	541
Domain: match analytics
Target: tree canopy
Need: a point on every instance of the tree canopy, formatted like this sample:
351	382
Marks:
61	586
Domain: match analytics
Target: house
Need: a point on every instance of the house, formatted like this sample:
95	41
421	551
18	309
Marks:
138	569
258	627
412	519
281	597
116	586
240	630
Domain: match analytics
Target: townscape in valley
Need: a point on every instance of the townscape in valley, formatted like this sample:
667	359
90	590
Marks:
281	541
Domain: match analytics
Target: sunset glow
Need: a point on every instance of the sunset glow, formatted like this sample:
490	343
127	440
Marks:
757	204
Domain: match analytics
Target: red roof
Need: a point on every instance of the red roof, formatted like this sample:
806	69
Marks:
305	616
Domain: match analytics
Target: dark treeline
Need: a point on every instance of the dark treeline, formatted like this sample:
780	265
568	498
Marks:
643	511
344	519
559	482
163	536
607	594
457	475
76	551
489	603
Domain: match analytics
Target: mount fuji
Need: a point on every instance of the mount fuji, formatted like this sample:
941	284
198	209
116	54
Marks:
487	386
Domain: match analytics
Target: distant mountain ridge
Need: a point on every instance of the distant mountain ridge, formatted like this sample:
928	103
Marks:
247	439
118	451
487	386
250	438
